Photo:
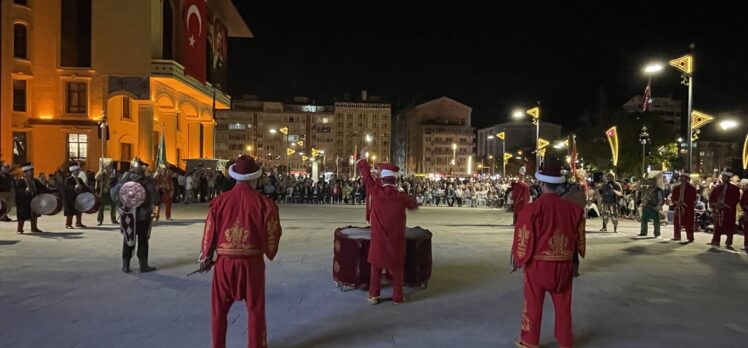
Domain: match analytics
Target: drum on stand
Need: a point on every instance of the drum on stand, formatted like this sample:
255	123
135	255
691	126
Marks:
46	204
87	202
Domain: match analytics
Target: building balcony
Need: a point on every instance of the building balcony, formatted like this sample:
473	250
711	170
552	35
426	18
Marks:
171	73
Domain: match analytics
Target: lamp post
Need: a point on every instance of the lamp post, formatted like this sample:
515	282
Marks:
644	139
103	126
454	154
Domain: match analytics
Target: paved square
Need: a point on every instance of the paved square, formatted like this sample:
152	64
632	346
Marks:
64	289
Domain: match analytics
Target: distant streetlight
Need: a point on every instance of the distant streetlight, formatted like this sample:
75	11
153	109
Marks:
490	137
653	68
249	147
273	131
728	124
368	139
518	114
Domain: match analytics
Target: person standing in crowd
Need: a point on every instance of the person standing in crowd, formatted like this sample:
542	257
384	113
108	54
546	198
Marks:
220	182
388	205
165	186
610	192
7	193
189	188
520	194
684	200
136	222
180	187
652	202
26	189
242	225
73	185
547	234
723	201
105	178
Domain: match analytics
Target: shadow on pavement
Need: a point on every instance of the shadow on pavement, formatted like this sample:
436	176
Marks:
56	235
8	242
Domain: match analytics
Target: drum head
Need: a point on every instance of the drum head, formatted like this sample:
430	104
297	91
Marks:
131	194
356	232
85	202
45	204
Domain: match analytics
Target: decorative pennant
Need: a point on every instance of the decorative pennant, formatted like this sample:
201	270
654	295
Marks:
542	143
300	143
541	152
501	135
699	119
290	151
745	155
534	112
507	156
304	158
284	130
612	135
684	64
566	142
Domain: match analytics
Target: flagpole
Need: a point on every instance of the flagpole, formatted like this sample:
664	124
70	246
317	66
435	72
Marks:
690	110
214	122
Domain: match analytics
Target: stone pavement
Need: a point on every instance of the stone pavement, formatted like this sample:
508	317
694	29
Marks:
64	289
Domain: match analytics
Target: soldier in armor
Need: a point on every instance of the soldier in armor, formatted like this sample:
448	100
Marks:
26	189
610	193
105	179
72	186
136	222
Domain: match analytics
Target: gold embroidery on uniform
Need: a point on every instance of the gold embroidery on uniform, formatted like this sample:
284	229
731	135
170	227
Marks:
525	318
272	229
337	246
336	267
559	248
524	236
236	237
206	233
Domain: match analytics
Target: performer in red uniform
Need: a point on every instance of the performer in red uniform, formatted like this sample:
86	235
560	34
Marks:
684	198
241	226
545	238
723	201
387	249
520	194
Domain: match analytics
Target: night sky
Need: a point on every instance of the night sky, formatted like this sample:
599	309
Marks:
492	55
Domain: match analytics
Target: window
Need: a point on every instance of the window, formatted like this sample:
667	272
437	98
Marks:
75	33
19	95
78	147
76	98
126	108
20	46
20	148
237	126
125	152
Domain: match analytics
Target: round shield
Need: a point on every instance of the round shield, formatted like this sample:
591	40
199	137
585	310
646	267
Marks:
132	194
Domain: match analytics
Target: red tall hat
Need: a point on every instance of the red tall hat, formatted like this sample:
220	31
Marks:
388	170
245	169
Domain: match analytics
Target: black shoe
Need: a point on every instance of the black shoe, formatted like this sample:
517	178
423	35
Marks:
126	266
144	267
99	223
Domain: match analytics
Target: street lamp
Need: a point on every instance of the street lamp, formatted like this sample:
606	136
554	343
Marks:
518	114
653	68
273	131
728	124
644	139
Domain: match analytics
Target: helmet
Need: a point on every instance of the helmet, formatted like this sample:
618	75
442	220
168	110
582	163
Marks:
138	166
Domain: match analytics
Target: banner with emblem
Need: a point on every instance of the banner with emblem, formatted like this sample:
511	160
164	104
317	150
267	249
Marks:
195	28
684	64
699	119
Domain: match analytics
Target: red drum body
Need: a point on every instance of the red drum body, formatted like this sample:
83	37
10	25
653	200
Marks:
351	267
87	202
46	204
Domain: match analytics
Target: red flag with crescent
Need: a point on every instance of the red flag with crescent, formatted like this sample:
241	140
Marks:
196	34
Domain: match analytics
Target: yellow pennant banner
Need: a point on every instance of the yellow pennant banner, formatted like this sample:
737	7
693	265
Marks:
534	112
699	119
300	143
612	134
315	152
304	158
501	135
507	156
566	142
684	64
541	152
290	151
284	130
542	143
745	157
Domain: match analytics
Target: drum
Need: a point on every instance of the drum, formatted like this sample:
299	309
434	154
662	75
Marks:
131	194
46	204
4	208
87	202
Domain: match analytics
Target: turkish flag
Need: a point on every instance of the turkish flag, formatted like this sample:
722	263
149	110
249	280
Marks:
196	33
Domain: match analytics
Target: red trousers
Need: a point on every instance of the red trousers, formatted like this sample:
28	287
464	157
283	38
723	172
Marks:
69	220
236	279
727	228
375	283
556	279
686	222
166	201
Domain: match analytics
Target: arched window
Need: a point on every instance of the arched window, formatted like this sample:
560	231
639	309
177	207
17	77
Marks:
167	31
20	43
